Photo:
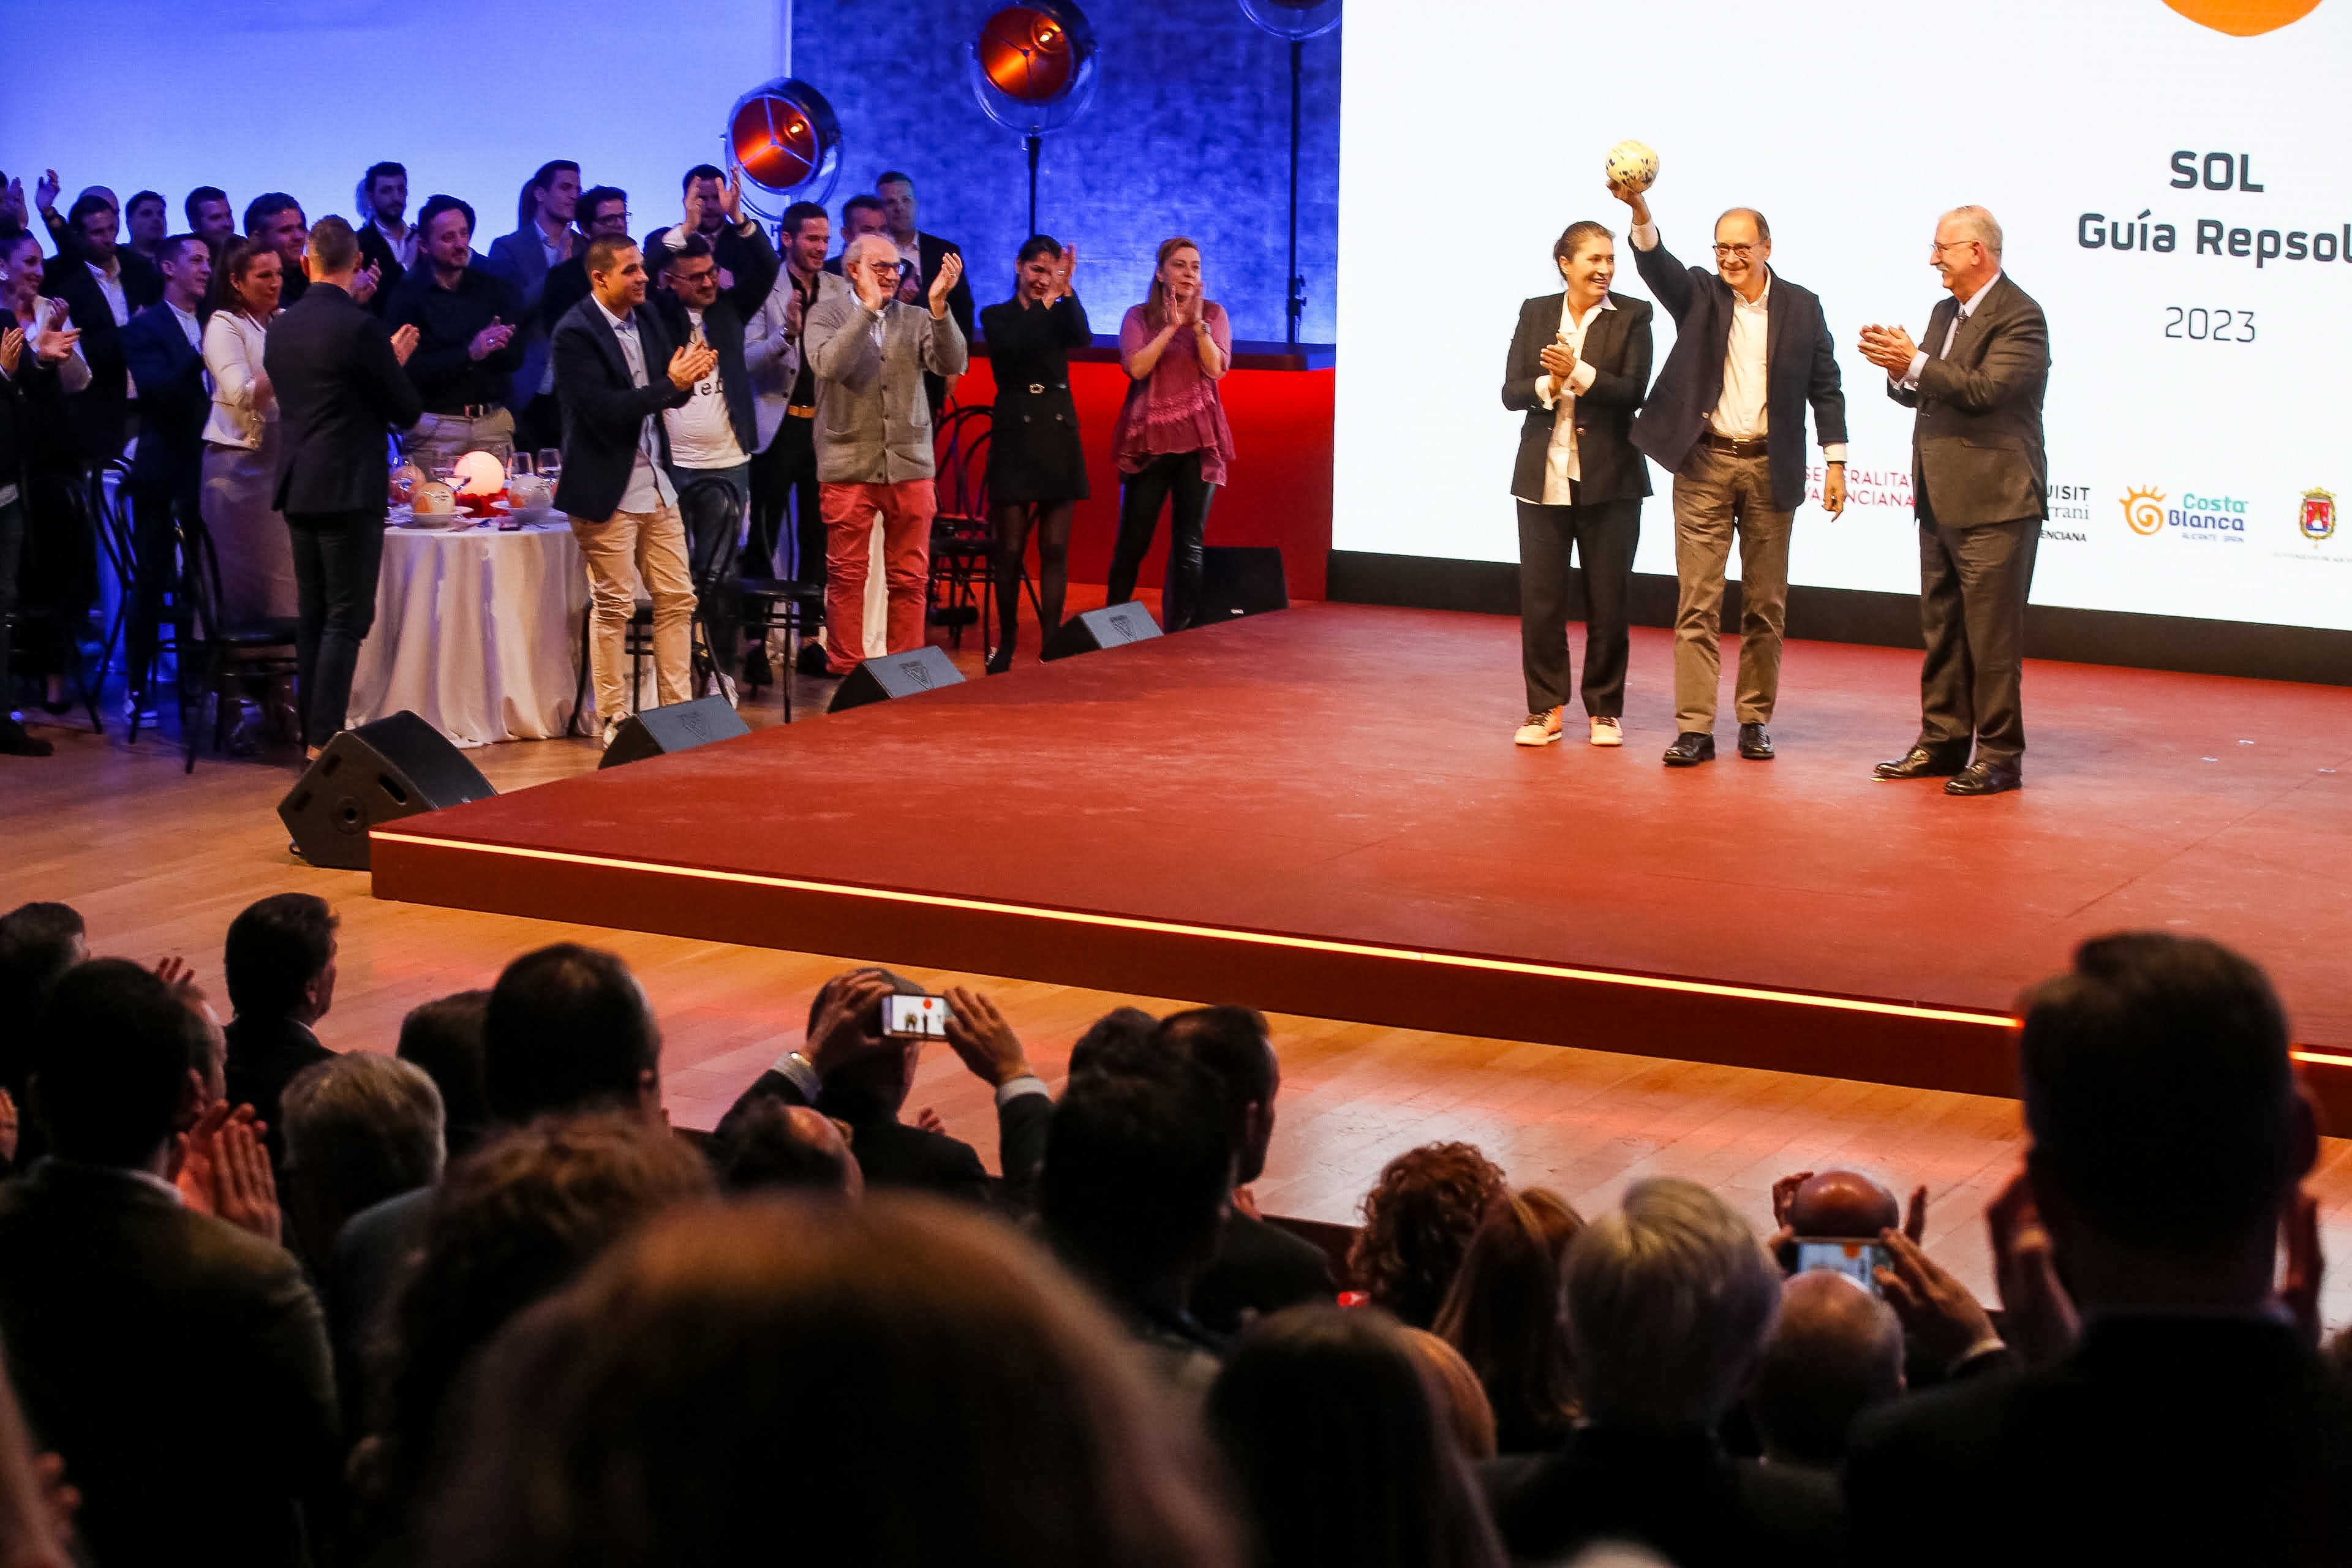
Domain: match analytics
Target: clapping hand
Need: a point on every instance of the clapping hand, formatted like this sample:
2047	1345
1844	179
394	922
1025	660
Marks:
403	342
44	194
1558	360
693	224
12	350
2041	1321
730	197
489	340
364	285
225	1170
12	202
691	363
793	312
7	1127
1062	271
951	269
1890	348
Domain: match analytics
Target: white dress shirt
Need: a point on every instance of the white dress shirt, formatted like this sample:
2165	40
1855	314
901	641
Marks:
403	246
189	326
649	488
111	285
1562	468
1919	360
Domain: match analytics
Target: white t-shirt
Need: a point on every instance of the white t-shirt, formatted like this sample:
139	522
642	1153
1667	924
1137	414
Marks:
700	434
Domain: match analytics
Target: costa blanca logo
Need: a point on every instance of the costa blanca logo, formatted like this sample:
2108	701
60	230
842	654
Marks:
2198	517
2317	519
2244	18
2144	510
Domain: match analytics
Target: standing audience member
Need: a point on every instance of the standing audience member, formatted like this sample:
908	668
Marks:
37	359
1036	462
444	1037
928	254
2179	1412
275	219
1669	1301
1419	1219
116	1294
703	190
388	242
1259	1268
210	217
57	573
860	216
360	1127
340	387
699	1358
1171	440
616	369
90	233
164	350
147	219
783	474
241	440
466	318
279	961
1835	1355
600	211
103	416
543	240
873	441
1343	1456
1506	1315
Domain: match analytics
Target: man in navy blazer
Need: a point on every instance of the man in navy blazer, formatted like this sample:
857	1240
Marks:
341	391
163	347
1727	420
616	369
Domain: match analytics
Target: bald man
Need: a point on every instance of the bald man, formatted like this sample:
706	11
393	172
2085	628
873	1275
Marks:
1835	1352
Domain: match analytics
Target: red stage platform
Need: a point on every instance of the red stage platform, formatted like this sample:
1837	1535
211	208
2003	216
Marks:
1320	812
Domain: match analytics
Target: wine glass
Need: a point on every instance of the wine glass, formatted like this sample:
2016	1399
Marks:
518	467
550	463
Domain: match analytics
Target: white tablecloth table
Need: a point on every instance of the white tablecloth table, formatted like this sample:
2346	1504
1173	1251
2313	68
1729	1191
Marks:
477	631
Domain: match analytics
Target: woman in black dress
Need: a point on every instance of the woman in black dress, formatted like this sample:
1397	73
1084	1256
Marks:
1036	466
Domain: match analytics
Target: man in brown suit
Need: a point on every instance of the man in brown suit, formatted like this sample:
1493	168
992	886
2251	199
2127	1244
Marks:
1978	480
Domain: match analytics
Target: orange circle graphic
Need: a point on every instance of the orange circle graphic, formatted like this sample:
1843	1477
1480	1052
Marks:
2244	18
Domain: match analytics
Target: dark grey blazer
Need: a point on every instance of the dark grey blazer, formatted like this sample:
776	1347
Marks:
1976	446
1617	346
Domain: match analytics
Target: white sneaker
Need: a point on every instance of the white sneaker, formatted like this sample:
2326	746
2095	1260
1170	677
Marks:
612	728
1608	732
1538	729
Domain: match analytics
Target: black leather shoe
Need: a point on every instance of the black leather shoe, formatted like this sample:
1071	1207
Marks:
812	660
1986	778
1755	743
1001	661
1691	748
1920	763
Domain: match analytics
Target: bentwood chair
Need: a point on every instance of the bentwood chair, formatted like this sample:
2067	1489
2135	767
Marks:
961	587
229	653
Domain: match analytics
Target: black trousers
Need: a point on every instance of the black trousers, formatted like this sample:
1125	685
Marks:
1604	534
1176	476
156	513
337	556
785	473
12	552
1973	584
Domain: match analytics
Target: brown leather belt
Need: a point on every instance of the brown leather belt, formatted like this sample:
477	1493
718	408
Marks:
801	410
1722	443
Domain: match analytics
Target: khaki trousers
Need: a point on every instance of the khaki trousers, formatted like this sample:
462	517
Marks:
1715	495
625	550
443	438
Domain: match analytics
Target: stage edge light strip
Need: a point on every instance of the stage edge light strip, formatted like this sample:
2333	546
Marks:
1221	933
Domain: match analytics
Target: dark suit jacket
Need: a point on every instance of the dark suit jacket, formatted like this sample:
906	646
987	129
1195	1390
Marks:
603	413
1680	1495
753	263
565	285
99	410
120	1308
1800	368
521	260
173	402
1976	446
893	1154
376	251
2158	1441
1617	346
142	280
1260	1270
341	393
263	1055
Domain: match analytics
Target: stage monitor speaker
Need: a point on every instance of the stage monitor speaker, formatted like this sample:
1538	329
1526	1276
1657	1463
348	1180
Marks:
1109	626
395	767
679	727
1241	580
908	674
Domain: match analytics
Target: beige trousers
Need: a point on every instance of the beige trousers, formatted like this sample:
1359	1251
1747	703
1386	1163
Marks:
625	550
1719	494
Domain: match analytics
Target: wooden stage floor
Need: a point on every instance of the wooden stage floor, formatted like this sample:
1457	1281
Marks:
159	863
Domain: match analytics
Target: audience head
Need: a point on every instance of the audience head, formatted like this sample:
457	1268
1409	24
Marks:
149	218
872	1085
1342	1456
569	1029
94	219
383	193
209	213
279	958
872	259
1844	1205
693	273
447	226
1175	278
1137	1170
1419	1219
358	1130
443	1037
861	216
334	250
20	270
764	1144
707	181
897	194
39	943
616	272
2167	1133
1461	1400
699	1358
118	1065
602	210
187	264
1036	266
249	277
1111	1037
1507	1314
550	197
276	219
1835	1352
1234	1047
808	236
1669	1298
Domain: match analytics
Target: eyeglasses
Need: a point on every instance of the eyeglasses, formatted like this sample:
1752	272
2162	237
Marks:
1941	245
1742	251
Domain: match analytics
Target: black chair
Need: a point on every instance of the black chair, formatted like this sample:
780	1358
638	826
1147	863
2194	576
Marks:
41	626
962	586
106	495
229	652
713	504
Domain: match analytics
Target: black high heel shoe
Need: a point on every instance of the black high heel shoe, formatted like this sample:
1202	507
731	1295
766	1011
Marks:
1000	661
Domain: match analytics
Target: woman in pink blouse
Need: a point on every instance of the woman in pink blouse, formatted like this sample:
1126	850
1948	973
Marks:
1171	441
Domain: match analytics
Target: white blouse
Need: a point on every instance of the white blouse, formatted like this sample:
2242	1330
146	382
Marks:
233	345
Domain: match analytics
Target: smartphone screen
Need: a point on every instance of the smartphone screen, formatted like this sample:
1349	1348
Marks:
1858	1261
915	1018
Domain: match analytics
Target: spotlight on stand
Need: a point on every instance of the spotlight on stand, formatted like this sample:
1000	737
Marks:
1032	68
786	139
1296	20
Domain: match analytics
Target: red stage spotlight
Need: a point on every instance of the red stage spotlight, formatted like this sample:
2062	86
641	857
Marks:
1032	70
784	137
1026	54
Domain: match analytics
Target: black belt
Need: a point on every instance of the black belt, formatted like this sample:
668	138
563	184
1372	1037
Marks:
1721	443
469	410
1039	389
